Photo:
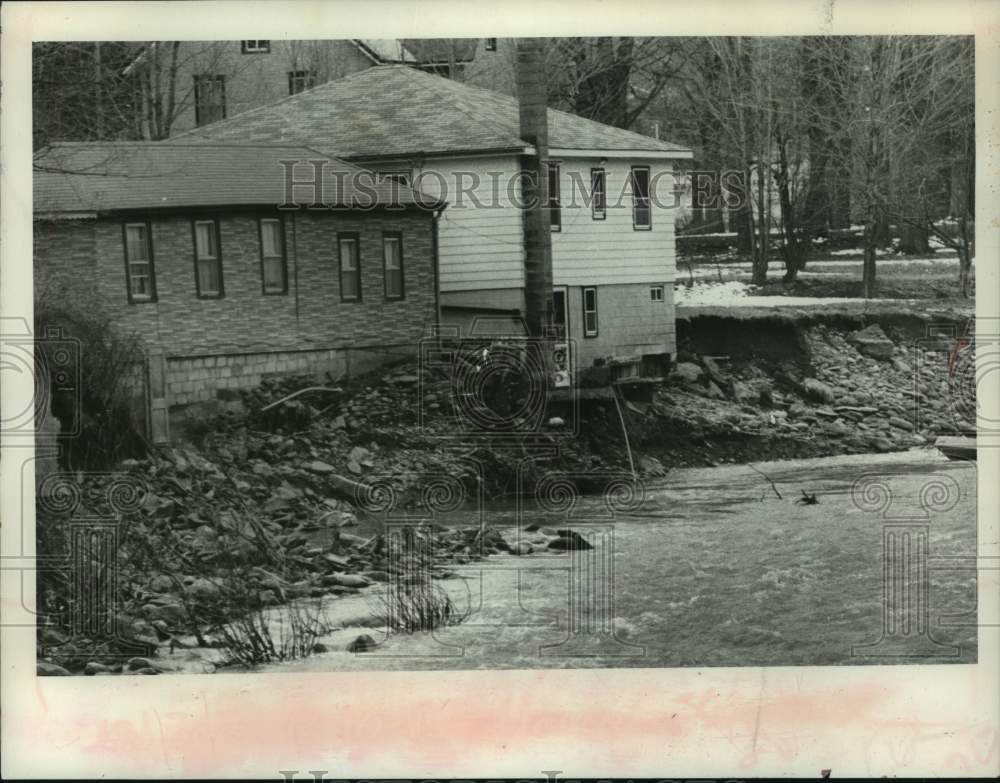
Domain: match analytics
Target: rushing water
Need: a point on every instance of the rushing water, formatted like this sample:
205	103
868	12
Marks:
713	569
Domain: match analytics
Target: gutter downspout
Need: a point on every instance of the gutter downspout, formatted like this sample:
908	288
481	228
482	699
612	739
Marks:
437	269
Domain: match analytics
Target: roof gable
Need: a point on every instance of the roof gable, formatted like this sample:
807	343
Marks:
395	110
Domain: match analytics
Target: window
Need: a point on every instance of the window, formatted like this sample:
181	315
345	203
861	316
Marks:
273	273
209	99
555	206
255	47
350	267
300	80
491	44
392	265
139	280
590	312
656	293
207	259
642	216
560	318
598	194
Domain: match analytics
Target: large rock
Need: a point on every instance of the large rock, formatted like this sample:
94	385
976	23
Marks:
817	391
46	669
363	643
569	539
872	341
689	372
204	590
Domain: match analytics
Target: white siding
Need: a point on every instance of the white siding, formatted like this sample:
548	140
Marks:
611	251
480	245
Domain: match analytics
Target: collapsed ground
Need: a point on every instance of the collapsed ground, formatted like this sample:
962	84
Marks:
264	509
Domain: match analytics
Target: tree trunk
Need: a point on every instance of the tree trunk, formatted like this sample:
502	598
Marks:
743	223
964	267
868	269
881	231
914	239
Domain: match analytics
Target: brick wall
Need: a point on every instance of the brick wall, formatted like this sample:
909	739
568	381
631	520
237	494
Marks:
226	343
64	260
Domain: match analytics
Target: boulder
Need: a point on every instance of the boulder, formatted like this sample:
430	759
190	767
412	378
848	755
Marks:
688	372
817	391
743	393
161	584
522	548
873	342
46	669
204	590
651	466
363	643
569	539
348	580
170	613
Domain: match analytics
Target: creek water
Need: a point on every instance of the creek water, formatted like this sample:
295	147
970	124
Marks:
711	568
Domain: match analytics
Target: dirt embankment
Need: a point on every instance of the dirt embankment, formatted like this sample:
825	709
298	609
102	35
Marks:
786	386
247	514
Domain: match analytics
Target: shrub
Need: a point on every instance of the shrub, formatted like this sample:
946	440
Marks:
106	381
267	635
417	605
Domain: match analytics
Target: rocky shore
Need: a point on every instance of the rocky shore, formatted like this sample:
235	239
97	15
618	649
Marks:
270	506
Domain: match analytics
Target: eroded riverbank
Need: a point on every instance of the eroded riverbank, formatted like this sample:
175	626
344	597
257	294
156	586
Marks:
711	569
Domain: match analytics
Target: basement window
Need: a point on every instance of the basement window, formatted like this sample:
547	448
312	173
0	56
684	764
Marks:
255	47
656	293
590	312
350	267
555	203
274	276
139	278
642	213
207	260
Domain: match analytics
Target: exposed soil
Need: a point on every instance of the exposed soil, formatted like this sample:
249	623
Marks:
250	512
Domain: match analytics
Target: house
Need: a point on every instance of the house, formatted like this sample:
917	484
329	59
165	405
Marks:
193	248
611	199
206	81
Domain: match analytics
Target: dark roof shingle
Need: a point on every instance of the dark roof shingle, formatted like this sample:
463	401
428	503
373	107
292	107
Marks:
106	176
395	110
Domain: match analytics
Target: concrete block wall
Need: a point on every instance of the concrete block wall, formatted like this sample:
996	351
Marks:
629	322
199	379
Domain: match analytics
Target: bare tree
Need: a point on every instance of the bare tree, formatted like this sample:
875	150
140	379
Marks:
900	99
612	80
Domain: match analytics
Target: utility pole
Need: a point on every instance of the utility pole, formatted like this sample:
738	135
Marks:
532	102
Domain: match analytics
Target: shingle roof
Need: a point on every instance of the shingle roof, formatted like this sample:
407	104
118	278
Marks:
394	110
105	176
442	50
